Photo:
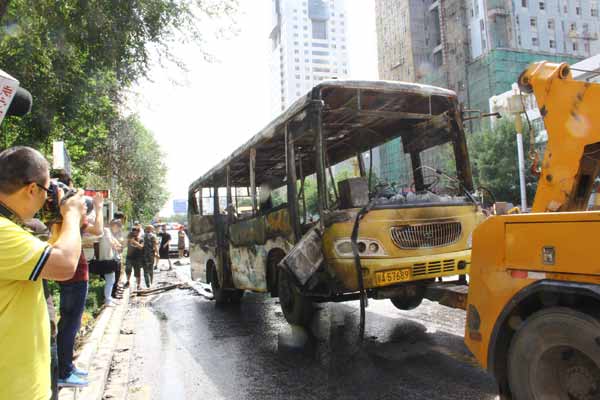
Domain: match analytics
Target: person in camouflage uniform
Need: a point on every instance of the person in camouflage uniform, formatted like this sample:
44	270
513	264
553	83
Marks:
149	253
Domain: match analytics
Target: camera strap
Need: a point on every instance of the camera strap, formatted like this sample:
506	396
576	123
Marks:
9	214
14	218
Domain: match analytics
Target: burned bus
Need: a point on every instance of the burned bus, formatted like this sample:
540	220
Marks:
299	212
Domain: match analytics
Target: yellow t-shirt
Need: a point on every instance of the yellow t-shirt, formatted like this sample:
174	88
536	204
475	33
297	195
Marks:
24	323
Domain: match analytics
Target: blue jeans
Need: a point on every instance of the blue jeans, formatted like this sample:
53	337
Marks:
72	304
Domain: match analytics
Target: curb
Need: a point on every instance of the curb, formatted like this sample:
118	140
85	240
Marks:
97	352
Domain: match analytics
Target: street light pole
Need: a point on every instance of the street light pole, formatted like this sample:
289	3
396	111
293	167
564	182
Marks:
521	157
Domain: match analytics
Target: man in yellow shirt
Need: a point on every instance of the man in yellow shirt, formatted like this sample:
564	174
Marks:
24	261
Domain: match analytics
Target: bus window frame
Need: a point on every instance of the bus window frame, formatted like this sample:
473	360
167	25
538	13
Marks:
306	121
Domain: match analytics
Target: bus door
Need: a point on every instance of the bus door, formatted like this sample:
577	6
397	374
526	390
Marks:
222	222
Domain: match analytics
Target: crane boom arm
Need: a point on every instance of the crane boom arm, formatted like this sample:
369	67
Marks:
572	156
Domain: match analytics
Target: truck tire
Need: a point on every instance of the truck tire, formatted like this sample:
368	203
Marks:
555	354
297	308
411	298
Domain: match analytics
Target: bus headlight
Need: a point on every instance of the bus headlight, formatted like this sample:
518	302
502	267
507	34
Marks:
373	248
366	247
343	248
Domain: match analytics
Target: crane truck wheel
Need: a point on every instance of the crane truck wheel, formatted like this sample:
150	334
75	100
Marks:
555	355
297	308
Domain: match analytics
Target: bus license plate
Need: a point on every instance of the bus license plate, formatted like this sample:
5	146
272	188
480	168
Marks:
393	276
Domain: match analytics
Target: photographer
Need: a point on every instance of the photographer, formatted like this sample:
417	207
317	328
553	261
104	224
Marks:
24	261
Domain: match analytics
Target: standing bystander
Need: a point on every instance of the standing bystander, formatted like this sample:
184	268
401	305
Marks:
116	228
181	242
165	241
149	253
107	247
73	294
134	256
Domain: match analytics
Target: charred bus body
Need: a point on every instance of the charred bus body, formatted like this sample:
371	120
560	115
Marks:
303	249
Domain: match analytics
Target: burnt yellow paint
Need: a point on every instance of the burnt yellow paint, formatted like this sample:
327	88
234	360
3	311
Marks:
377	224
278	223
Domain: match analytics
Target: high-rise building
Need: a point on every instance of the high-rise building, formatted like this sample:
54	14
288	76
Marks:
478	48
423	41
550	26
507	35
308	46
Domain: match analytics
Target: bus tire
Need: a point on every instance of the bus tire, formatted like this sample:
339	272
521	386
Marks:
411	298
235	296
297	308
555	354
220	295
275	256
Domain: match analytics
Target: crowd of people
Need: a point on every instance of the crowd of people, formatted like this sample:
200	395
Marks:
37	352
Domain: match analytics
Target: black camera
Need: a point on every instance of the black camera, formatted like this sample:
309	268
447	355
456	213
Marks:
50	213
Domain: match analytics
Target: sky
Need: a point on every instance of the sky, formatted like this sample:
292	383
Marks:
201	116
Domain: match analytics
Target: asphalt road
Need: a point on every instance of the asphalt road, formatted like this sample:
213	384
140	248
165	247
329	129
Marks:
187	348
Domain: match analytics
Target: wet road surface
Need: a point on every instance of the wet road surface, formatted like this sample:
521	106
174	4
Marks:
187	348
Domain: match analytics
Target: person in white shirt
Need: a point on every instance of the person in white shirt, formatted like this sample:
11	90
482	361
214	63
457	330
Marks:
108	246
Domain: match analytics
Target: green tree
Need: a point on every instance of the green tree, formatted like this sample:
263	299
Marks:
493	155
77	58
132	166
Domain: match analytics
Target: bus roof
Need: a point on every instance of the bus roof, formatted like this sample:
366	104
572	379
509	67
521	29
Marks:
357	116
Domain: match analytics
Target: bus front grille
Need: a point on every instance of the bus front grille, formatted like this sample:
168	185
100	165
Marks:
426	236
434	267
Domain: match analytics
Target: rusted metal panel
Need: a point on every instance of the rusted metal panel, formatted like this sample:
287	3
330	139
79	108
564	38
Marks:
249	263
200	256
338	216
278	225
448	294
291	185
320	150
461	153
415	159
248	232
200	225
306	257
253	180
354	193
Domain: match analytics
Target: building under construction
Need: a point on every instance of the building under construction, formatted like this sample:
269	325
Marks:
478	47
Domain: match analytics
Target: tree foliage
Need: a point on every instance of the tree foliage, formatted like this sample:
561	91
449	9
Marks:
78	58
133	168
493	155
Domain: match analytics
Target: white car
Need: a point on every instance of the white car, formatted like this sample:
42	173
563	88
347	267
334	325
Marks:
173	249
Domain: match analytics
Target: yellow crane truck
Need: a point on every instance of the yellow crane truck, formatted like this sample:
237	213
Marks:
533	307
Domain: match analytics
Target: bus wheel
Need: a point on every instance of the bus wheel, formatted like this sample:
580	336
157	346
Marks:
555	354
220	295
411	297
297	309
273	260
235	296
